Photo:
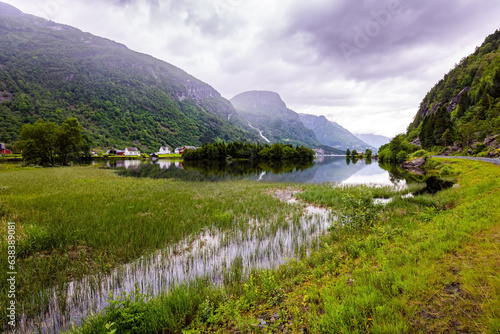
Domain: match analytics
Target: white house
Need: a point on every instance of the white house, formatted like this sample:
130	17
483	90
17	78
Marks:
132	151
163	150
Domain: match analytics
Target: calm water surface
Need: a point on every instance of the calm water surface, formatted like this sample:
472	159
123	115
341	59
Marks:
333	169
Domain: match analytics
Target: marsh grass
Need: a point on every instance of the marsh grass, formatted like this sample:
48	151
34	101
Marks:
426	264
74	222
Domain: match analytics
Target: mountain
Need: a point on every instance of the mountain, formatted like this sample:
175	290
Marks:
332	134
461	113
464	106
267	113
373	140
121	97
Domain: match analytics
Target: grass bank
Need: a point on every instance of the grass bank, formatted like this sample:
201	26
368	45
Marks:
419	264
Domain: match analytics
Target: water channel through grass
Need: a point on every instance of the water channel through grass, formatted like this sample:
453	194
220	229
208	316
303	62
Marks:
212	254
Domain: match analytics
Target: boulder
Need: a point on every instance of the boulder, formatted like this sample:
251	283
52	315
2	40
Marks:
490	141
414	166
417	142
454	102
454	148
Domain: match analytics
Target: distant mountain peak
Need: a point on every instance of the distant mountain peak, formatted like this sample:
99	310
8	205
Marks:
332	134
258	101
374	140
9	10
268	114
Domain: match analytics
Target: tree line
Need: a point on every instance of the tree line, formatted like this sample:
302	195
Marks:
249	151
354	154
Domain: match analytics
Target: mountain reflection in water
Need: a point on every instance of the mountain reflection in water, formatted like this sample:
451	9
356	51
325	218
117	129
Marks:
332	169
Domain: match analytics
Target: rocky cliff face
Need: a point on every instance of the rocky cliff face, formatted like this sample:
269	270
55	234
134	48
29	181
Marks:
260	102
426	109
454	102
197	91
267	112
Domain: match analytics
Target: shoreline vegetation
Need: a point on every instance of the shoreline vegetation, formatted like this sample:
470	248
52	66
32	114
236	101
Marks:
249	151
425	263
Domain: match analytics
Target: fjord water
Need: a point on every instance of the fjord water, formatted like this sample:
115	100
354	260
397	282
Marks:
332	169
212	254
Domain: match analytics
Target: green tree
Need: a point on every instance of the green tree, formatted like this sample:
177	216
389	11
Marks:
368	153
68	141
348	153
38	142
288	153
45	143
402	156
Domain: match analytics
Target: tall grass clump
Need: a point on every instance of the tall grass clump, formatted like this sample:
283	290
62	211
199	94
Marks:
138	313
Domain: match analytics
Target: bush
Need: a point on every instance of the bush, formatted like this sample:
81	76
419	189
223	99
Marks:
127	312
479	149
446	170
357	209
402	156
419	154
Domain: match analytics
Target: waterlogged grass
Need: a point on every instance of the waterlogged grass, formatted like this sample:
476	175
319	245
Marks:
72	222
334	196
425	264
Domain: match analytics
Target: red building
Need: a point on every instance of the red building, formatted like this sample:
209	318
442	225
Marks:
4	150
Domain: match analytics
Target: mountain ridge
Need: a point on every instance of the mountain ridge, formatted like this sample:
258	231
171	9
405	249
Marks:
333	134
266	111
373	140
121	97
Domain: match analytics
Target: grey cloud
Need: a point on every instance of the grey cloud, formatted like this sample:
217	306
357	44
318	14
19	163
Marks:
373	34
294	47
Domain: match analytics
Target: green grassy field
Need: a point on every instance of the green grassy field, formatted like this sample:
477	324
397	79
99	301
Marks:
420	264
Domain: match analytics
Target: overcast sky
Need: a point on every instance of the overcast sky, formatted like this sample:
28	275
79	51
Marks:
365	64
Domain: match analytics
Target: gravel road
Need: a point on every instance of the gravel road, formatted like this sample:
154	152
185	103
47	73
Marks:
490	160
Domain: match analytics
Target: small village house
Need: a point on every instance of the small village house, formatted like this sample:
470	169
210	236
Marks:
132	151
115	152
163	150
180	150
4	150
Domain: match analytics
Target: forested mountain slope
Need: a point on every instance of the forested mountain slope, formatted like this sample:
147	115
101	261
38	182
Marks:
463	107
121	97
460	115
